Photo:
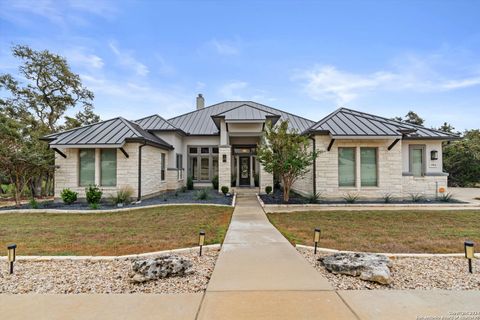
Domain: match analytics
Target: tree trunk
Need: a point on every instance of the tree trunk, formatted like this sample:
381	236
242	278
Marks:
286	189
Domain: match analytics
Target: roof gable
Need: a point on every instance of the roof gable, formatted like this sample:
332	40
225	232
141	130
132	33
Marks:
345	122
199	122
113	132
154	123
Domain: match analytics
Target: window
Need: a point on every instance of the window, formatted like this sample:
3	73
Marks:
193	150
194	168
205	150
87	167
417	160
163	168
179	166
346	167
204	169
202	164
108	167
214	150
368	167
214	166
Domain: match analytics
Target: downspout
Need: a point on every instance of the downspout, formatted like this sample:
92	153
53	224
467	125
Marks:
139	197
314	168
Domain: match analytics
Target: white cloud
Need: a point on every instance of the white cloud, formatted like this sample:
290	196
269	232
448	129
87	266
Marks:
126	59
78	56
230	90
414	74
224	47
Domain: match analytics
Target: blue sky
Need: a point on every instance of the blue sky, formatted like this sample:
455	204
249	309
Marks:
306	57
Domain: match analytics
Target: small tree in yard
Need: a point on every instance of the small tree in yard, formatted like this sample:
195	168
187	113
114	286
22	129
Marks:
285	153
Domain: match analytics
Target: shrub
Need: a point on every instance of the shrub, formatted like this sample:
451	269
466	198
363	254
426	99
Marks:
387	198
203	194
351	197
225	190
184	189
314	197
93	194
268	189
94	206
215	183
417	197
124	196
33	203
190	183
68	196
446	197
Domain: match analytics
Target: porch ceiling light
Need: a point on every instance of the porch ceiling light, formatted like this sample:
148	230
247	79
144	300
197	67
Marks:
11	255
469	253
201	240
316	239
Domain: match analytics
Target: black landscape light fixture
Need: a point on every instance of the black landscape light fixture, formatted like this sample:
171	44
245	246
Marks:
316	238
11	255
469	254
201	240
434	155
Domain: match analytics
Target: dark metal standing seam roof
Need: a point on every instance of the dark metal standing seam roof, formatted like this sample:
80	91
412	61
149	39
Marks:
199	122
346	122
155	122
112	132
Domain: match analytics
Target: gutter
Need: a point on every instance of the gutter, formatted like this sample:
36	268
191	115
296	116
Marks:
139	197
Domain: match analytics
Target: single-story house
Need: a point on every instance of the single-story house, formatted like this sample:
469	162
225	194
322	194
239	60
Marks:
359	153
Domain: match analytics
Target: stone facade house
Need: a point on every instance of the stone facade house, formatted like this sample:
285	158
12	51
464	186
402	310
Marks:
358	153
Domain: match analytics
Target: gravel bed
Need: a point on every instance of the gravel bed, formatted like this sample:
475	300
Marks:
187	197
450	273
101	276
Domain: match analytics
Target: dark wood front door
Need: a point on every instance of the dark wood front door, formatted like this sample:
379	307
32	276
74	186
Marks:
244	171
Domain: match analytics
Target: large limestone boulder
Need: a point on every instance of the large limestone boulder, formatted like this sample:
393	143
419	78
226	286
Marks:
367	266
158	268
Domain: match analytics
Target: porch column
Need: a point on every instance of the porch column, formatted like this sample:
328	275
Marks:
237	179
252	181
266	179
224	166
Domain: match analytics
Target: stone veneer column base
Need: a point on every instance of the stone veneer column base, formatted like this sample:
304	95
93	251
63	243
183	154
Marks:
224	167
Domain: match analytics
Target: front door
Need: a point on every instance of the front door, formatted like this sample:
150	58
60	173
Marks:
244	171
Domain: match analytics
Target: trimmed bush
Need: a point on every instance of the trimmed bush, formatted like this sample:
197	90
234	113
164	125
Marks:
268	189
225	190
68	196
93	194
33	203
190	183
215	183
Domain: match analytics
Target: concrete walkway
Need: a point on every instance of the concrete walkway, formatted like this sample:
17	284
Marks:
259	275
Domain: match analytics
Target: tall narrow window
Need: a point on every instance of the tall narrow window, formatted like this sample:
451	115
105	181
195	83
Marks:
86	167
204	168
368	167
417	158
179	166
346	167
162	177
108	167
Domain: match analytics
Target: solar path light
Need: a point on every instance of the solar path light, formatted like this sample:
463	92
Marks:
316	238
469	254
11	255
201	240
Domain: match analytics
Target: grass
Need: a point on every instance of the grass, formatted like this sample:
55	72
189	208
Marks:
383	231
129	232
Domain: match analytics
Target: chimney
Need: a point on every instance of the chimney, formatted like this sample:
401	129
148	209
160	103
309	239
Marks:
200	102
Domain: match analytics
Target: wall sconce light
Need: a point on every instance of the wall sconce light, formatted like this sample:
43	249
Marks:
434	155
469	254
224	158
201	240
11	255
316	239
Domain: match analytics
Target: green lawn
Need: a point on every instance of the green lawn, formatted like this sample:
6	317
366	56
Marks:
383	231
135	231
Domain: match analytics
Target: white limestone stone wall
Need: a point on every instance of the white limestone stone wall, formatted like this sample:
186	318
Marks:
304	185
152	183
427	186
266	179
67	171
389	168
224	168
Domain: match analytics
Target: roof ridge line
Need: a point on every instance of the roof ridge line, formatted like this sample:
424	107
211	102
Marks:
245	104
85	126
282	111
